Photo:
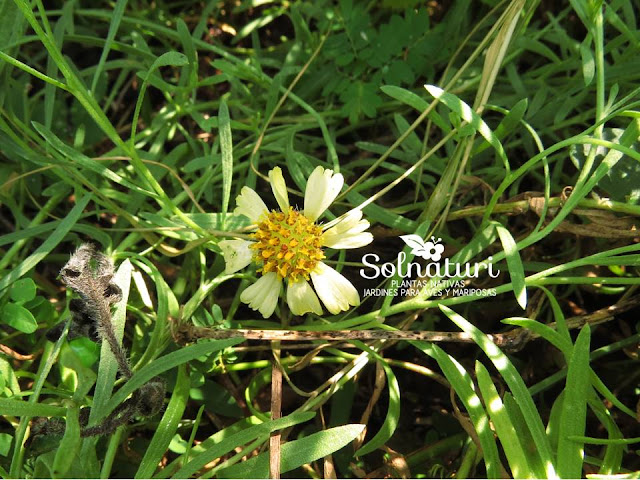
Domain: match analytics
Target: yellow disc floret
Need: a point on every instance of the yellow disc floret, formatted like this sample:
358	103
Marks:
289	244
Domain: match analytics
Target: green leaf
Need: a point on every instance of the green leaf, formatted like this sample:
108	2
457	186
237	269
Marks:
524	434
574	408
516	384
622	180
545	331
192	54
463	385
49	244
467	114
382	215
108	367
226	148
243	436
167	427
69	444
507	433
86	350
392	418
116	18
588	61
508	124
175	59
18	408
516	270
19	318
5	444
23	290
413	100
79	160
165	363
360	98
297	453
216	398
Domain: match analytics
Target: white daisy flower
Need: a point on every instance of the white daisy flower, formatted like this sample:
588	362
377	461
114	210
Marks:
287	246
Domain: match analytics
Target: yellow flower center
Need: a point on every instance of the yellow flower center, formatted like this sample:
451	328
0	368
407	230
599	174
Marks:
288	244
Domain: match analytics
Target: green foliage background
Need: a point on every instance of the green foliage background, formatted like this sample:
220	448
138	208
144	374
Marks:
135	124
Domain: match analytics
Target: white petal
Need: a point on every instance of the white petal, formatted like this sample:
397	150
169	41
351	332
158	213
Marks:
302	299
250	204
263	295
279	188
350	240
322	189
237	254
335	291
349	232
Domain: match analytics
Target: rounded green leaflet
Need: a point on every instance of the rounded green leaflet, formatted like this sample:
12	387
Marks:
23	290
19	318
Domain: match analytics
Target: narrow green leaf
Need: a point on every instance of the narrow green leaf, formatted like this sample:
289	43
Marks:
165	363
516	270
612	461
174	59
116	18
558	315
5	446
409	98
516	385
226	148
526	440
49	244
382	215
296	453
506	431
467	114
546	332
463	386
108	367
18	408
508	124
82	161
167	427
187	44
241	437
68	445
588	61
32	71
392	418
574	408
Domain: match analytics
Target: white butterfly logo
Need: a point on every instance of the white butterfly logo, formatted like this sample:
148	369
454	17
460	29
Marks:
431	250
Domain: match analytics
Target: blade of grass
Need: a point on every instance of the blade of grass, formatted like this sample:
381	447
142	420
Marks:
49	244
467	114
463	386
116	18
509	437
167	427
69	444
19	408
524	434
226	149
516	385
108	366
514	263
296	453
393	412
574	409
239	438
165	363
